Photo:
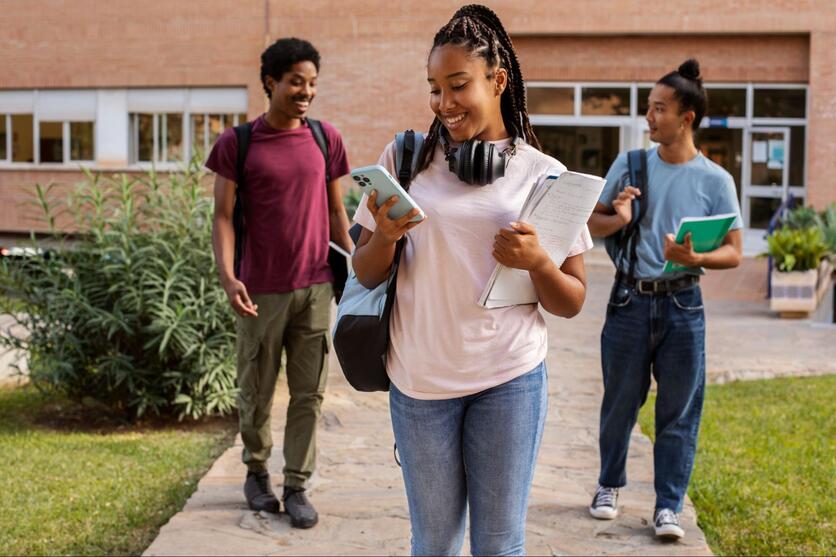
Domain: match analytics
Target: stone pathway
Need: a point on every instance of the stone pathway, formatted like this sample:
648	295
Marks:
359	492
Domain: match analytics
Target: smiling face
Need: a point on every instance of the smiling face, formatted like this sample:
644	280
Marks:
465	94
291	96
666	122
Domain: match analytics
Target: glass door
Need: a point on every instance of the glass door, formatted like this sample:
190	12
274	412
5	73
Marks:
767	183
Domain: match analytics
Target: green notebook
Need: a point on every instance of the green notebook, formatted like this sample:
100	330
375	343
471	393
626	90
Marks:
707	234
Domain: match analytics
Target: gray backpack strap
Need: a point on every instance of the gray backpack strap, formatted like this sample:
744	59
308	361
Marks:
411	142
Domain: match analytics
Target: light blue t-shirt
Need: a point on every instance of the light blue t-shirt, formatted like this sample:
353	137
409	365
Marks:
697	188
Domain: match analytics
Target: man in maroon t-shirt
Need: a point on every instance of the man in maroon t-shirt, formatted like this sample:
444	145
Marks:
283	292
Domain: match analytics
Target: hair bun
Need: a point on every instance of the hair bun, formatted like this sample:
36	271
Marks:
690	69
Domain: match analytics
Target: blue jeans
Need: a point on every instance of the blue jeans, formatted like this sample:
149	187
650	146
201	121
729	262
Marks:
663	335
477	450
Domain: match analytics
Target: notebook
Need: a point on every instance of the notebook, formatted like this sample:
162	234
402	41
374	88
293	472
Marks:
558	206
707	234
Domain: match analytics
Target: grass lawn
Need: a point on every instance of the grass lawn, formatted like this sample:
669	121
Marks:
764	482
69	487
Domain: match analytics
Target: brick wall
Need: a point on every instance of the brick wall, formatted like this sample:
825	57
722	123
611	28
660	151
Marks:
374	54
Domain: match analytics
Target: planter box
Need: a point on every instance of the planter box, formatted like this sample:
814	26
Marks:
799	291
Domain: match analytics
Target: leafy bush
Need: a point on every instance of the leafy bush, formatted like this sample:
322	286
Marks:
801	218
128	315
828	217
351	201
797	250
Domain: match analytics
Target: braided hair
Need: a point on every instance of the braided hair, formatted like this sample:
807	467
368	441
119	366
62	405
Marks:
478	29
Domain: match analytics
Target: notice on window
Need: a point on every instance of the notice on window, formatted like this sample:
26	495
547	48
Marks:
759	151
776	154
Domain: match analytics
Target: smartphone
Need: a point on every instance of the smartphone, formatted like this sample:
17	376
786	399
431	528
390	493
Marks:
377	178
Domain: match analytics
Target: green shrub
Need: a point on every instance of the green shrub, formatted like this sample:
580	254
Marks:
828	217
802	218
797	250
128	315
351	201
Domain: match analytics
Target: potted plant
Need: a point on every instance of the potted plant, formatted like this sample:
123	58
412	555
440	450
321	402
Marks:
801	273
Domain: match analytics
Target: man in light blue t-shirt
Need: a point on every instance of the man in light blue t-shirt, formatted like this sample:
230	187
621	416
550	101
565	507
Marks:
655	322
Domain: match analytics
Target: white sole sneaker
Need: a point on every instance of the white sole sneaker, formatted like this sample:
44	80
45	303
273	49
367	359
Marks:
603	513
670	532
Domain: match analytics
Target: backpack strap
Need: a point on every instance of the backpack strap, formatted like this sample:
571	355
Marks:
243	133
637	170
321	142
408	146
637	167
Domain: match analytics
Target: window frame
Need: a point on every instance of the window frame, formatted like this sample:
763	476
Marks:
634	126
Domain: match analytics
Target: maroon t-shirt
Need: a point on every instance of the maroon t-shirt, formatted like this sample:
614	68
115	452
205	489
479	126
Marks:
285	204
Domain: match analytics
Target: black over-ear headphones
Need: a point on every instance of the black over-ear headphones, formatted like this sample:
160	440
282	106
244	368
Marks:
476	162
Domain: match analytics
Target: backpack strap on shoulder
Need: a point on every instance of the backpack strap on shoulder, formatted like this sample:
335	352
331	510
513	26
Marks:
243	133
321	142
637	169
407	148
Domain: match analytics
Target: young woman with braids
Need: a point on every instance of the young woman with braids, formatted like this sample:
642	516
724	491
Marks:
469	388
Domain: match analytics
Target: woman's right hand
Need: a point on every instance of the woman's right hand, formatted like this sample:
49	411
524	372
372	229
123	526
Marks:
388	230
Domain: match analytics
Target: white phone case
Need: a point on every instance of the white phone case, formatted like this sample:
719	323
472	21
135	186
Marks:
375	177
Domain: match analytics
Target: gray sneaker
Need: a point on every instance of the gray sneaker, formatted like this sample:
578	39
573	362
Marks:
299	508
605	503
666	523
259	494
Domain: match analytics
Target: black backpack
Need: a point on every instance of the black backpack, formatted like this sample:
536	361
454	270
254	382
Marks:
243	132
623	243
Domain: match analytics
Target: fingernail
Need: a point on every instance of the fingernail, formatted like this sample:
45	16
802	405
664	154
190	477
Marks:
514	223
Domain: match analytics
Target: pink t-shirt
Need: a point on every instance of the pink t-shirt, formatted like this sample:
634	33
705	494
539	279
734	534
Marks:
442	343
286	204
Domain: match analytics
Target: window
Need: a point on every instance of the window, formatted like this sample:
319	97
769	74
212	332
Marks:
59	142
81	141
724	146
206	128
605	101
4	151
643	93
156	138
780	103
51	139
725	103
551	100
23	140
761	210
589	149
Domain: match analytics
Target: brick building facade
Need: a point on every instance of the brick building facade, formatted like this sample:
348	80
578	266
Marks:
122	85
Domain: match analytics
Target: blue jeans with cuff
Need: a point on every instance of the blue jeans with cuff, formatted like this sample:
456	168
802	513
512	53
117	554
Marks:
477	451
662	334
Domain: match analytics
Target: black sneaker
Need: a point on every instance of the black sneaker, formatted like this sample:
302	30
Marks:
666	524
605	503
259	494
296	504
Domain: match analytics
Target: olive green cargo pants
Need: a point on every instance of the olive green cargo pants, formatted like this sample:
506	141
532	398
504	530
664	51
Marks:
298	322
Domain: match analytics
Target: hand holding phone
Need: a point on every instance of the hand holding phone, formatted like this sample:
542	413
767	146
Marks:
376	178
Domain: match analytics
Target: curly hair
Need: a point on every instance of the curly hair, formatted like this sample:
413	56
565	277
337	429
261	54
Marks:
478	29
280	56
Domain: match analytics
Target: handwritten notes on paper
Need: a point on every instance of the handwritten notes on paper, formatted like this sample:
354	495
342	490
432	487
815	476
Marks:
558	207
